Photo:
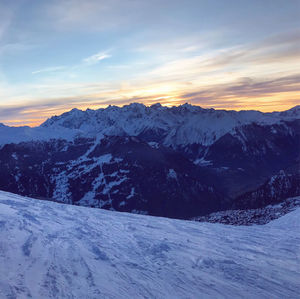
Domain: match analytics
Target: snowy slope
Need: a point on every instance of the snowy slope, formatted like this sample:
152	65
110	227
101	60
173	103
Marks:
48	250
23	134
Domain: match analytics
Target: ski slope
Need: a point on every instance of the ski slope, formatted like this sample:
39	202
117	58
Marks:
50	250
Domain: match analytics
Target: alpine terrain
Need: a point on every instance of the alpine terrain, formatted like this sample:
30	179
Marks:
178	162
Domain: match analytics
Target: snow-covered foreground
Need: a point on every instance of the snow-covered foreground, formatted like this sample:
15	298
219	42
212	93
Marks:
50	250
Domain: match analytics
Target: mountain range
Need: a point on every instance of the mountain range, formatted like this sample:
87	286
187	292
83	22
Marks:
179	162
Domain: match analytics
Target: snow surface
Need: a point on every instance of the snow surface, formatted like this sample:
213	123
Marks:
50	250
182	125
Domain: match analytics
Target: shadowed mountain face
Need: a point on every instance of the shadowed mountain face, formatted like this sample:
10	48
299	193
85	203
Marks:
253	154
177	162
118	173
278	187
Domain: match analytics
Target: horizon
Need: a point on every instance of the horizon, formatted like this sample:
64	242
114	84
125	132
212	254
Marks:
63	54
147	106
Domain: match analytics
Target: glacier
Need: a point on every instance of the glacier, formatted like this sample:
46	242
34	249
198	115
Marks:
52	250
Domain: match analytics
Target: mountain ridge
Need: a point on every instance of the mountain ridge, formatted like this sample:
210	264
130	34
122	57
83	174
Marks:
178	125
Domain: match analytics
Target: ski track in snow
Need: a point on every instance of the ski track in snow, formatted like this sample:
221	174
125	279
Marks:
50	250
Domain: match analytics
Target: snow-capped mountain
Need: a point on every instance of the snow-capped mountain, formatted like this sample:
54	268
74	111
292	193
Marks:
50	250
176	126
27	134
178	162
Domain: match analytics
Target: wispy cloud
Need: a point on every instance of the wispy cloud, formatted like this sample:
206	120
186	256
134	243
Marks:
280	93
93	59
243	77
49	69
96	58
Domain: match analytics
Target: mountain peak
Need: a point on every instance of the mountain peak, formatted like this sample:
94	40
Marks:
293	112
156	106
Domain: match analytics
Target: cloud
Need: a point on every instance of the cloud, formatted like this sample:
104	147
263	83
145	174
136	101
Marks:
253	76
49	70
248	87
279	93
96	58
86	61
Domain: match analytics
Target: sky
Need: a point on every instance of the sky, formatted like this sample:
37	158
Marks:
56	55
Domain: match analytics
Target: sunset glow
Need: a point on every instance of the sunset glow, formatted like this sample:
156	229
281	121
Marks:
58	55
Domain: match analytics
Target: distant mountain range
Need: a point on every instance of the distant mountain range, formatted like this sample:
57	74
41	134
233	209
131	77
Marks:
179	162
